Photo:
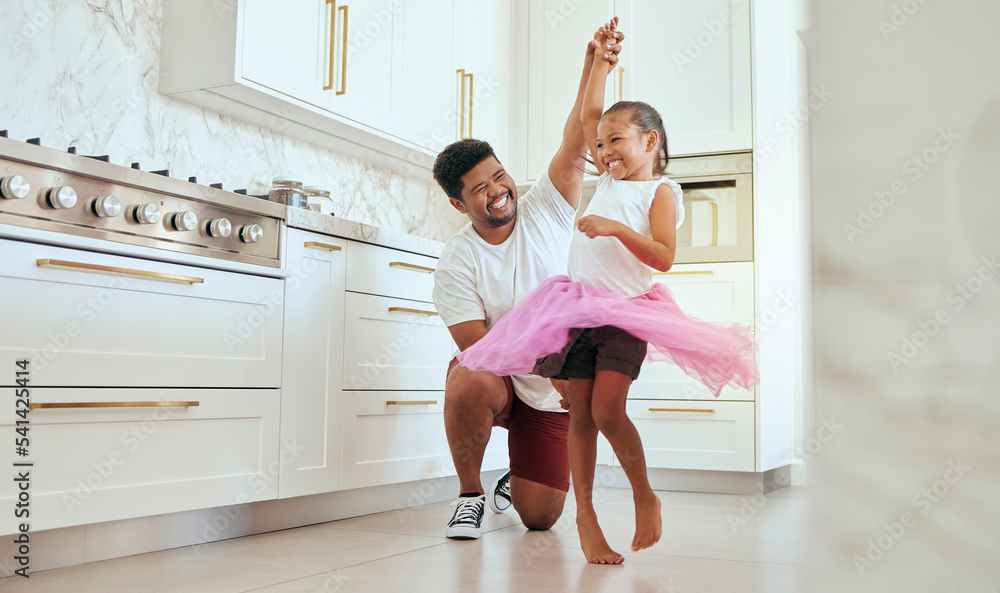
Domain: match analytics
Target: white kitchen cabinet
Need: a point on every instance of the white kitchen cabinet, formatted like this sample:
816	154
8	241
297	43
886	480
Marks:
361	78
389	272
689	60
137	322
483	39
398	436
284	48
310	62
696	435
557	44
427	83
312	367
455	85
111	463
394	344
396	354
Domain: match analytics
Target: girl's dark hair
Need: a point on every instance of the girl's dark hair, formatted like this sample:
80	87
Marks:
645	118
457	159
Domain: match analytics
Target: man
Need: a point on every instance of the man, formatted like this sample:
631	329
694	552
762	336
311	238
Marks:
509	247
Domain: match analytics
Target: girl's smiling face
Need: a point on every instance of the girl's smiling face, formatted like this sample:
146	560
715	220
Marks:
626	153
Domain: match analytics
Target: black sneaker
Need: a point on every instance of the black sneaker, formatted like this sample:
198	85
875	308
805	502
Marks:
499	494
467	521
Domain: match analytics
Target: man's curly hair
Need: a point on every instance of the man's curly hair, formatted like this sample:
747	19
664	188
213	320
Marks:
457	159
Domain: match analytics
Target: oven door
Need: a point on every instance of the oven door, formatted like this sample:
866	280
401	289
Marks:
718	219
88	319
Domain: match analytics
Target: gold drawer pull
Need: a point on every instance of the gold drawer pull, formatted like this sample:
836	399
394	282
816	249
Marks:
414	311
318	245
401	264
113	405
56	263
429	402
702	411
685	273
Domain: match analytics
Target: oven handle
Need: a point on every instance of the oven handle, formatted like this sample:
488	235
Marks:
64	405
57	263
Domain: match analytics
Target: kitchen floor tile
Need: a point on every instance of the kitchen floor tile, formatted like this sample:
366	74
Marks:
711	542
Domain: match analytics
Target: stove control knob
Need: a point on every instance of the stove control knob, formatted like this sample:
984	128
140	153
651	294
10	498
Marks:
147	214
184	221
220	227
62	197
251	233
14	187
107	207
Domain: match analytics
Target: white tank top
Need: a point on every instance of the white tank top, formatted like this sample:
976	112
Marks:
604	262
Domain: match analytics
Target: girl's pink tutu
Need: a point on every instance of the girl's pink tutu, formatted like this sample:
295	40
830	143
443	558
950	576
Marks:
715	354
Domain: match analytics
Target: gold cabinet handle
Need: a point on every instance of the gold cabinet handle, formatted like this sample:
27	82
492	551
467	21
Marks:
685	273
414	311
403	264
333	23
428	402
701	411
66	405
715	224
343	49
57	263
462	102
621	73
318	245
343	56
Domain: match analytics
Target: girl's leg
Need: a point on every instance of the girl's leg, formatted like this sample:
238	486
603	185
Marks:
607	405
582	442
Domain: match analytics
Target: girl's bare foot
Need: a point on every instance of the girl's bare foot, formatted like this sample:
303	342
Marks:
648	523
595	547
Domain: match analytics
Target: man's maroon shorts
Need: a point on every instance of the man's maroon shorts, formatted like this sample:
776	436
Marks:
536	440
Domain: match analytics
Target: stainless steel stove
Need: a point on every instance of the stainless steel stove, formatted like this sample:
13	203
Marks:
87	196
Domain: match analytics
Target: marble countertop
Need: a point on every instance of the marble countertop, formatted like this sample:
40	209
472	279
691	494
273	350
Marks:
334	226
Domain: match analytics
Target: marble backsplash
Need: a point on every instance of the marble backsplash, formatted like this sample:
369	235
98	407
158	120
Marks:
86	73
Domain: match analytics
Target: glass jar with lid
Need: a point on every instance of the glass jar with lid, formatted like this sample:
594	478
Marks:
287	190
318	199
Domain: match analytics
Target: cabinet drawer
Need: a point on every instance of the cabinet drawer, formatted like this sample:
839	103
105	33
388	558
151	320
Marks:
394	344
696	435
110	463
83	327
389	272
713	292
398	436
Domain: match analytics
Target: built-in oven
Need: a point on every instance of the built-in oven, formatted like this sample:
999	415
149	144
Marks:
140	340
718	208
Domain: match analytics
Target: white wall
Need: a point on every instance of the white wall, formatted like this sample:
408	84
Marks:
915	111
85	74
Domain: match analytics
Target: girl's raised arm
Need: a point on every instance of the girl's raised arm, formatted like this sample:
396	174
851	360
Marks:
593	98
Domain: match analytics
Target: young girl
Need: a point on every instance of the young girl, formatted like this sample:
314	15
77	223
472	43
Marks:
593	326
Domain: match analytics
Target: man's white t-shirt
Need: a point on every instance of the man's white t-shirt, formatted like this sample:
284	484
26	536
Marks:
475	280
